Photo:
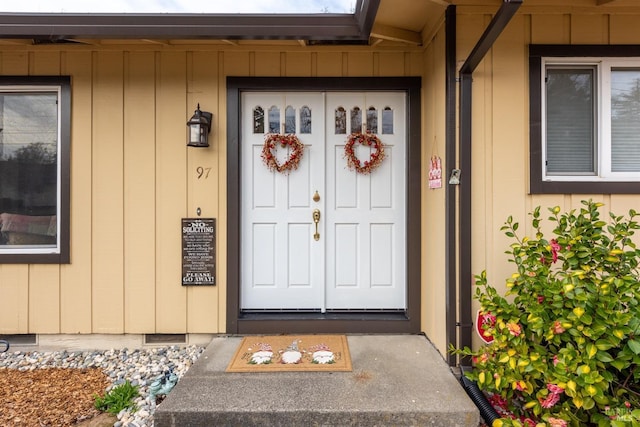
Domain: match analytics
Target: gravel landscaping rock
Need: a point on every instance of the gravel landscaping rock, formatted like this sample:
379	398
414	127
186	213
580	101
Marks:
57	388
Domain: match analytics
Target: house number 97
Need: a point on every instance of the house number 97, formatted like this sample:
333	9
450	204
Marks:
203	172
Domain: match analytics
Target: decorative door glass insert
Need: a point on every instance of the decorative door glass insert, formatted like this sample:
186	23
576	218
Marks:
372	120
356	119
289	120
305	119
258	120
387	121
274	119
341	121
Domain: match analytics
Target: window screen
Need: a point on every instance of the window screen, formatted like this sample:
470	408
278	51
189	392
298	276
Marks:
570	121
625	120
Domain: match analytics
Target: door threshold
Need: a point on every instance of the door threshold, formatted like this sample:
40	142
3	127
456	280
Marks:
330	322
328	315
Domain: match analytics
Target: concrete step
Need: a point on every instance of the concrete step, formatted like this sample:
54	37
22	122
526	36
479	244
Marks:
397	380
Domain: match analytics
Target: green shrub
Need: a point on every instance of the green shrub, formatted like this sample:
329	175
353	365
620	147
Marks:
118	398
566	347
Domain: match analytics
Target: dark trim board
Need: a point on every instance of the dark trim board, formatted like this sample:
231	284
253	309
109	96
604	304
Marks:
303	326
64	255
407	322
323	323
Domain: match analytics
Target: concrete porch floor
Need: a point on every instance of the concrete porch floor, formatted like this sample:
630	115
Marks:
397	380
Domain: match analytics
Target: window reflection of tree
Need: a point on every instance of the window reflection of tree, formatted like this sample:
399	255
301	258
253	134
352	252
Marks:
29	153
27	119
37	152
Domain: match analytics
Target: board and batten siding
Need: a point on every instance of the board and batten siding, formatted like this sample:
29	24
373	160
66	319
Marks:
133	179
434	302
500	135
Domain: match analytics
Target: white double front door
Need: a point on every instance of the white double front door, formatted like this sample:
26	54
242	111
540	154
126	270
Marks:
353	256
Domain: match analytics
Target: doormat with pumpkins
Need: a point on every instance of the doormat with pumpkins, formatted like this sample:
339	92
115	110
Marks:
275	353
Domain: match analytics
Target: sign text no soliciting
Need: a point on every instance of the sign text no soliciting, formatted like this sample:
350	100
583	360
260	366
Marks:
198	251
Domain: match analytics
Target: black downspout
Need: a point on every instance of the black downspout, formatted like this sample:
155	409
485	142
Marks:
450	193
488	38
464	223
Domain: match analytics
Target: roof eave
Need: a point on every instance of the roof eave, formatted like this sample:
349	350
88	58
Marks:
347	27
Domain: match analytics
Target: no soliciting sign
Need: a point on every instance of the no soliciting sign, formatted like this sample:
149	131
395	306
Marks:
198	251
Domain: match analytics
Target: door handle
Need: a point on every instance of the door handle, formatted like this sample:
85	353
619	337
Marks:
316	219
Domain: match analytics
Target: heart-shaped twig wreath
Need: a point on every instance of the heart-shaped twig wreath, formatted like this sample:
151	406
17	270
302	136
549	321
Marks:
271	142
376	158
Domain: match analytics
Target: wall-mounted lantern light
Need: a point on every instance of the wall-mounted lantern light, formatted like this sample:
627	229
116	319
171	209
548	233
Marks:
199	127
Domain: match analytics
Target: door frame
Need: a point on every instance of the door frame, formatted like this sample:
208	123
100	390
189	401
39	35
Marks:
356	322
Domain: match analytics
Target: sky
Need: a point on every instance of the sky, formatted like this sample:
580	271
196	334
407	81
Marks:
178	6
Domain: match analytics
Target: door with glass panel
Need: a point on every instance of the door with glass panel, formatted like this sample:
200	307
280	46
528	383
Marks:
322	237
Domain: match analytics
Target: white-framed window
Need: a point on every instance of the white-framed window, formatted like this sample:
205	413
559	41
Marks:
34	169
591	121
584	119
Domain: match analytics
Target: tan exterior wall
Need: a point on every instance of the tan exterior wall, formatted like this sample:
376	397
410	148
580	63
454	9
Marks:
500	176
133	178
433	200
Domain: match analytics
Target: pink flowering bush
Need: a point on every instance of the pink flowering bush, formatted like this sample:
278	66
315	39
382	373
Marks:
566	348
